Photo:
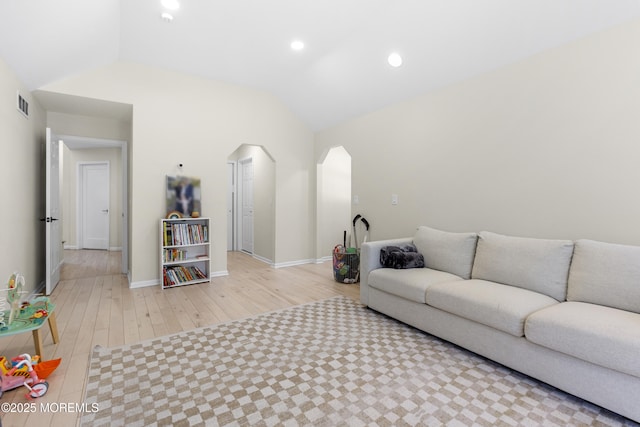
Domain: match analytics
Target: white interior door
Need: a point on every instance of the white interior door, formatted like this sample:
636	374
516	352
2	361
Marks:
230	202
246	197
53	238
94	205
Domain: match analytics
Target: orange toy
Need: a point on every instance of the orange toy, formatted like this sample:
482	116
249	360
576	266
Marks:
44	369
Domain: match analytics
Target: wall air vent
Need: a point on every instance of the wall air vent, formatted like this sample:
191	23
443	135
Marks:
23	105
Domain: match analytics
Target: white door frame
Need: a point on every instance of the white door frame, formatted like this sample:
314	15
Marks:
232	192
80	201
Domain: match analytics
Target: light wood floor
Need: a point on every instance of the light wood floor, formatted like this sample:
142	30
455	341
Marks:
94	306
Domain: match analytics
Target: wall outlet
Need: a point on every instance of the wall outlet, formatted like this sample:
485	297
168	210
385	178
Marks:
356	200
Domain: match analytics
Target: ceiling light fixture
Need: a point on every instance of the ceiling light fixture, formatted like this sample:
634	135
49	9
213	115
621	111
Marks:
297	45
167	17
395	60
171	4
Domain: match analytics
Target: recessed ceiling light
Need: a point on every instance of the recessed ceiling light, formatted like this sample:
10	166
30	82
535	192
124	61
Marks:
395	60
297	45
167	17
171	4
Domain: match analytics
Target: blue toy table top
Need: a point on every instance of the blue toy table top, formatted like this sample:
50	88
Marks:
28	318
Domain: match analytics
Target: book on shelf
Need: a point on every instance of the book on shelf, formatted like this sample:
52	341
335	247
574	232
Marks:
177	234
181	274
172	254
168	236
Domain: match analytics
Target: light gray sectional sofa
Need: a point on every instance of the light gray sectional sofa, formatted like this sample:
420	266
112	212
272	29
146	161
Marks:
564	312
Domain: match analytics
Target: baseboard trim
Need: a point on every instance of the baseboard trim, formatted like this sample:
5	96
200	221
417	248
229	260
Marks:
263	259
75	247
39	290
143	283
293	263
220	273
283	264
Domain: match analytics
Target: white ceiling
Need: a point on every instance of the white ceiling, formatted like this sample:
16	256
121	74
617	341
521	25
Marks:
341	73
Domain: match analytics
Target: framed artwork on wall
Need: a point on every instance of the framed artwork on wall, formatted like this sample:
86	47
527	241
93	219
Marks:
183	196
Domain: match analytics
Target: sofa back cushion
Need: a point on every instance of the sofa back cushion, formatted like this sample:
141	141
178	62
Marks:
605	274
446	251
539	265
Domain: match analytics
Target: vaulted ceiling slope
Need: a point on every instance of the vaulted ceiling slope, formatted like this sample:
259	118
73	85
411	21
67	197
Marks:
342	72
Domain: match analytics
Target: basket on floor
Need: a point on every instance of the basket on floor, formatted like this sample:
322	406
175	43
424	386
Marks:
346	264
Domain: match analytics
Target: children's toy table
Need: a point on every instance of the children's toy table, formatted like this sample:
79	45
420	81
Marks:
25	321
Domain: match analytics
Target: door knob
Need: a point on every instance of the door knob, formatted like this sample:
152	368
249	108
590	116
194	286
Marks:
48	219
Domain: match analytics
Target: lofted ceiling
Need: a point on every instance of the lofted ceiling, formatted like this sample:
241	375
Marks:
341	73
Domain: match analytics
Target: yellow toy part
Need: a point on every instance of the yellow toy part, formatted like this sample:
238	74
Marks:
6	365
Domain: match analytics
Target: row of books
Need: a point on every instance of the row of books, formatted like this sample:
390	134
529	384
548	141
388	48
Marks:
169	255
180	274
185	234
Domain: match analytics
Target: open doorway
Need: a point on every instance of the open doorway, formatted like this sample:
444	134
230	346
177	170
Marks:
333	200
86	119
89	162
251	202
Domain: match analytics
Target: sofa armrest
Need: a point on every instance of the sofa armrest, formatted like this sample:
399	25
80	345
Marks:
370	260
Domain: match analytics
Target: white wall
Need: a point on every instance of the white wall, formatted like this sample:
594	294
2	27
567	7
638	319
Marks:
22	177
87	126
547	147
198	122
334	200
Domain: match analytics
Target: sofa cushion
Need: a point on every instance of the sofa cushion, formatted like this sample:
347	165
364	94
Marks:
601	335
409	284
446	251
539	265
606	274
493	304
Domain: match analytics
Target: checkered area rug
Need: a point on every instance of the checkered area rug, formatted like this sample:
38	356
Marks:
328	363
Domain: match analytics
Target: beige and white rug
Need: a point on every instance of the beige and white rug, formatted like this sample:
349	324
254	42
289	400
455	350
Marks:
328	363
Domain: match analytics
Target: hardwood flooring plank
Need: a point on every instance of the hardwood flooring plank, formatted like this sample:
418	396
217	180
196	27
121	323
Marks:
129	319
145	329
116	318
